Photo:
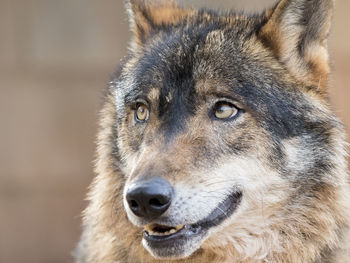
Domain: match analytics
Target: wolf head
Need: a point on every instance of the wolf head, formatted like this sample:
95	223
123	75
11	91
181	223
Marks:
217	140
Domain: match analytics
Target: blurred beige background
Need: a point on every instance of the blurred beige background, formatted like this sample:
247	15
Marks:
55	60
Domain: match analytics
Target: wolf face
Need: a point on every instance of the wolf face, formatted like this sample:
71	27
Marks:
217	142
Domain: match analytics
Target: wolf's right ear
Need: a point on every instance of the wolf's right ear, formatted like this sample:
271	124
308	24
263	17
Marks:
150	16
296	31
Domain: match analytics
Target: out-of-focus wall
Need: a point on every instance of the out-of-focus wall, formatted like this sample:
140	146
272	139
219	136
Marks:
55	61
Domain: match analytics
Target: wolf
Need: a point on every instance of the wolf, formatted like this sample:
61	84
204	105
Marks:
217	141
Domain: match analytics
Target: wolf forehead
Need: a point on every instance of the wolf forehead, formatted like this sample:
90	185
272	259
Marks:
189	61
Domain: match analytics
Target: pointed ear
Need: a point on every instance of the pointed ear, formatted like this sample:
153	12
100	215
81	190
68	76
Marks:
297	31
149	16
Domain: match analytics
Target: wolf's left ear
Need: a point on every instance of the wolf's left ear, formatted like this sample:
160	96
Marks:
150	16
297	31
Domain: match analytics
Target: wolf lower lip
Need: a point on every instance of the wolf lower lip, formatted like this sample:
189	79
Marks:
162	243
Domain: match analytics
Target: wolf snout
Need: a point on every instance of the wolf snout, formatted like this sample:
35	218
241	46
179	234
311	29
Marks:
151	198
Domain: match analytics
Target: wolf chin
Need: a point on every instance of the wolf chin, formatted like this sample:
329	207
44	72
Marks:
217	142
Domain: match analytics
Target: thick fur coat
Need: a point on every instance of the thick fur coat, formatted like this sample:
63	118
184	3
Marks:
231	110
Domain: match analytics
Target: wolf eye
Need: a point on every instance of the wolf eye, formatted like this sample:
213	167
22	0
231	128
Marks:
141	113
225	110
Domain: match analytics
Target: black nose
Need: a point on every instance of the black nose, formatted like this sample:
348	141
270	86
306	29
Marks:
150	199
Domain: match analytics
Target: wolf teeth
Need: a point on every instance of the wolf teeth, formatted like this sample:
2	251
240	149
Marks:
179	227
150	231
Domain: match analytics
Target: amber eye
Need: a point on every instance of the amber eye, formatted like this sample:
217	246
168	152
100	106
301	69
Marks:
142	113
225	110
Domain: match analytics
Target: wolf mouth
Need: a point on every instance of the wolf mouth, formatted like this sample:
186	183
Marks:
162	239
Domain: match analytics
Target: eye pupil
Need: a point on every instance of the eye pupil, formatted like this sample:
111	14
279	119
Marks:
225	110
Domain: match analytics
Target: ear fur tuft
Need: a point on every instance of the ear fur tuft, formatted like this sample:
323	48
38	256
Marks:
297	31
149	16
